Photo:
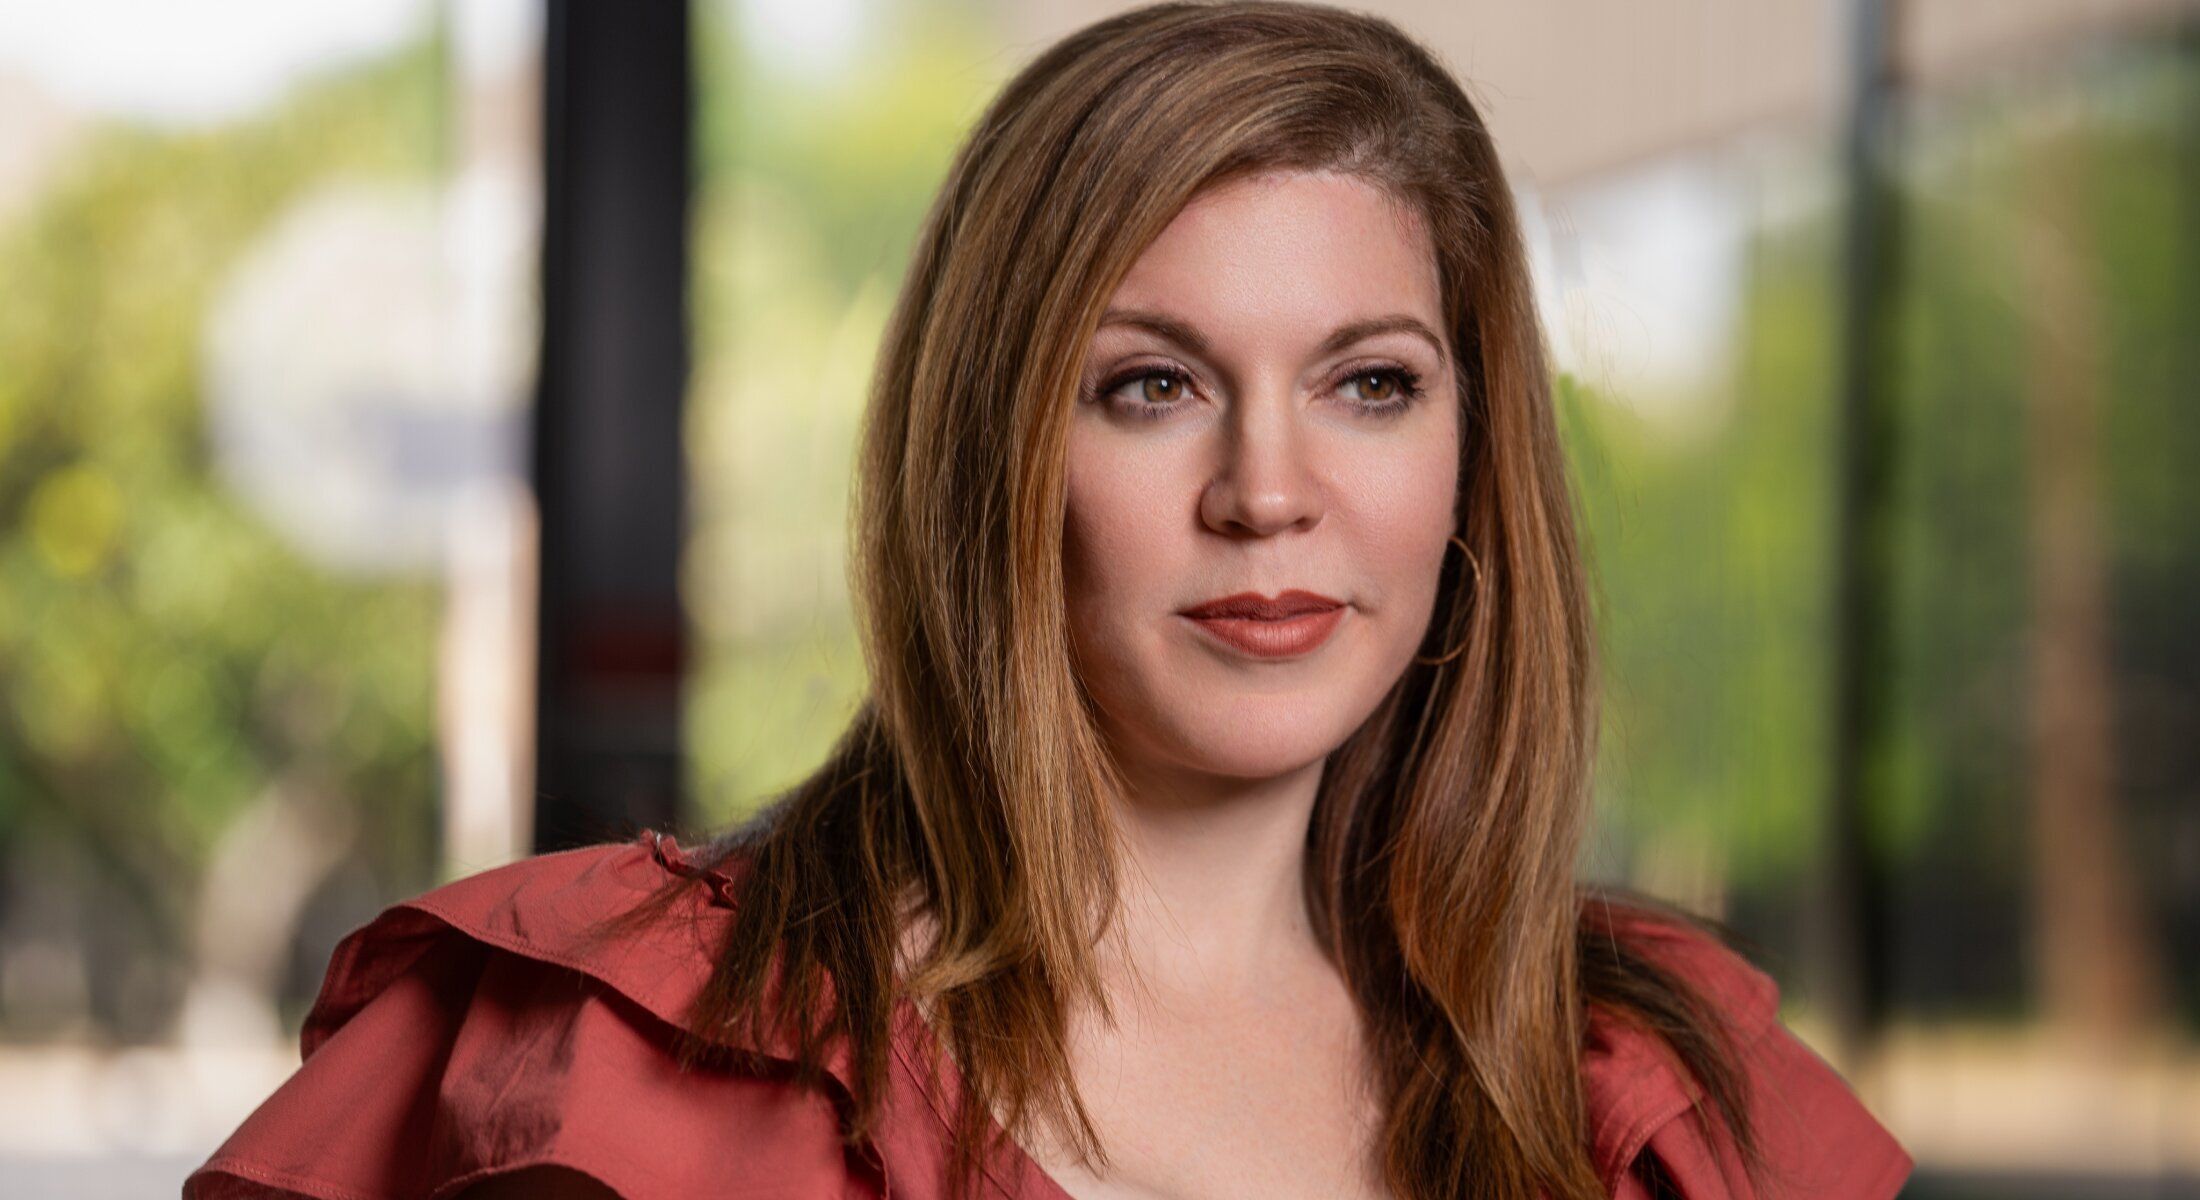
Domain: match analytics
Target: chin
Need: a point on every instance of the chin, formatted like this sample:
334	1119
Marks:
1256	737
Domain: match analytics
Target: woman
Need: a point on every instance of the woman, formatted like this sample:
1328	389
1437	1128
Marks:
1210	827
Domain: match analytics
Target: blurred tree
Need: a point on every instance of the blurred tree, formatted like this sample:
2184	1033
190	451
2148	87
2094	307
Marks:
2047	389
165	658
814	182
1712	550
2097	969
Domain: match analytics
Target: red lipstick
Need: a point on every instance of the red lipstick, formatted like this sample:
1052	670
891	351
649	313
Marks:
1291	624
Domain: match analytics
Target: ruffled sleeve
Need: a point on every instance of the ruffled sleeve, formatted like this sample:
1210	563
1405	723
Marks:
1817	1137
477	1030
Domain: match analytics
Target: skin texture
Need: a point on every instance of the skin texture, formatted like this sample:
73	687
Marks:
1236	1057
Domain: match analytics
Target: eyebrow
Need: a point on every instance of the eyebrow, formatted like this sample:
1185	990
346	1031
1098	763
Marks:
1182	333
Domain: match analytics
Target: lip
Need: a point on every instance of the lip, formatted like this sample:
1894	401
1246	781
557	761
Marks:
1257	607
1286	626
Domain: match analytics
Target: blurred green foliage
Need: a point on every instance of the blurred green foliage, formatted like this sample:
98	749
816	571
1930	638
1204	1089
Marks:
165	656
2120	132
1714	549
1712	554
813	185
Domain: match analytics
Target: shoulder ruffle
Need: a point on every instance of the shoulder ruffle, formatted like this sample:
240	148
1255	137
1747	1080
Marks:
479	1029
1818	1138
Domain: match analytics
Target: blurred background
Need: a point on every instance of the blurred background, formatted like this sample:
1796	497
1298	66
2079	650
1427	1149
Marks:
425	432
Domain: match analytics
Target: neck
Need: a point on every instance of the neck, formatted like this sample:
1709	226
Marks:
1213	889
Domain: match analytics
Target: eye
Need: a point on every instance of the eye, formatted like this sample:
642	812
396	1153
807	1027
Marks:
1383	389
1160	391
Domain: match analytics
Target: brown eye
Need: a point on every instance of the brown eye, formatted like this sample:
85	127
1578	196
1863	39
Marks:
1382	391
1161	392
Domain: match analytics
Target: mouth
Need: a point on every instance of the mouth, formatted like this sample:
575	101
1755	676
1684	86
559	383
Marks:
1285	626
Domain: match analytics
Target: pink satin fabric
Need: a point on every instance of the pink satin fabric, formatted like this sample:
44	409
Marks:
471	1031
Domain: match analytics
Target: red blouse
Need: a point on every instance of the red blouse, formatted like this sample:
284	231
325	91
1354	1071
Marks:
469	1032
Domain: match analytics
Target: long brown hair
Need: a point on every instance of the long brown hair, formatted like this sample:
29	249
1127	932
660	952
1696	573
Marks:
972	785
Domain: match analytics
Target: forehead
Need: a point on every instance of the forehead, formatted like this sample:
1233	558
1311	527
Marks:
1285	250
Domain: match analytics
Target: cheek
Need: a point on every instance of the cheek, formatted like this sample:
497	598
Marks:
1115	561
1400	503
1124	540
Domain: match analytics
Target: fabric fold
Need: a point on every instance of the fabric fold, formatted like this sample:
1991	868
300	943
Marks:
477	1030
1818	1138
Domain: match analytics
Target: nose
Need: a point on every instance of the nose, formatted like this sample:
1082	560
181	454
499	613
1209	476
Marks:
1264	483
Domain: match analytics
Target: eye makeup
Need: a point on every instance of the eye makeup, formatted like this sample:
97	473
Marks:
1403	389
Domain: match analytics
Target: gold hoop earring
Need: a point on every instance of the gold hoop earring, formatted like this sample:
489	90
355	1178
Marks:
1476	563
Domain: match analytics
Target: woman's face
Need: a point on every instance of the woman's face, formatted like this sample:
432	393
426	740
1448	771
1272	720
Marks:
1249	425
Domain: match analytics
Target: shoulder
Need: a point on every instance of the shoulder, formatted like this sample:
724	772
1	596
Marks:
551	909
488	1030
1816	1136
1742	994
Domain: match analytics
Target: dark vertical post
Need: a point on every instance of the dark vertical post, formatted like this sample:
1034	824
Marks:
1851	937
606	455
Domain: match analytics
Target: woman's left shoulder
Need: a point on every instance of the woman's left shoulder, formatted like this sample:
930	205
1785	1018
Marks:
1816	1136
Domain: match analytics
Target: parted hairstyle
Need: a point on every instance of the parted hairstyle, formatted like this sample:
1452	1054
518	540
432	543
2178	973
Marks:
972	784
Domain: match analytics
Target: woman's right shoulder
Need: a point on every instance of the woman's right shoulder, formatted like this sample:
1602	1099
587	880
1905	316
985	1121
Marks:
505	1029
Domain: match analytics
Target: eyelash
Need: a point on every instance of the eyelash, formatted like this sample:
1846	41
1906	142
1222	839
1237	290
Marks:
1409	387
